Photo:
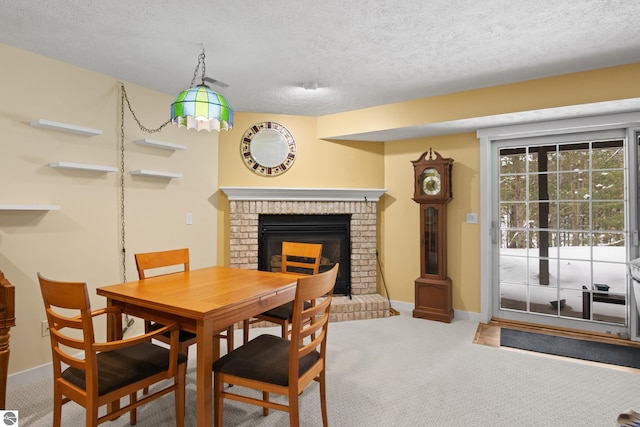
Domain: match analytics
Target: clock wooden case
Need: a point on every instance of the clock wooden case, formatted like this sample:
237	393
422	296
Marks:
432	190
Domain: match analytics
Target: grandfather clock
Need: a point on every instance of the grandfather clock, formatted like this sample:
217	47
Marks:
432	190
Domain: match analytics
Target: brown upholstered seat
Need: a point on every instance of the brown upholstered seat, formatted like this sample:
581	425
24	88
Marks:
105	372
274	364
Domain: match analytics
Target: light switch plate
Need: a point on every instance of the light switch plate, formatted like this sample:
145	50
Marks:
472	218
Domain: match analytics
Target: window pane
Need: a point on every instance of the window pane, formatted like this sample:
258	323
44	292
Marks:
538	183
574	274
574	216
541	299
607	155
608	185
609	247
513	297
574	185
612	275
573	303
513	269
552	159
543	158
513	187
543	215
513	215
608	216
610	309
513	160
543	271
573	157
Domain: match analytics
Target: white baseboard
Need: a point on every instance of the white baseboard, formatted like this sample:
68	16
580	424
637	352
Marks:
29	376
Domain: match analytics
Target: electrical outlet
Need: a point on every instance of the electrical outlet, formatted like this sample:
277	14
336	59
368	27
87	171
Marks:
45	328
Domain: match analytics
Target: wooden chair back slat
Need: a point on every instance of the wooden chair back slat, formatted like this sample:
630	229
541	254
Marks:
306	323
153	260
306	256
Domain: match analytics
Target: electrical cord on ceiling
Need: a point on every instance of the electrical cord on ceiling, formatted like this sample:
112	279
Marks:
392	311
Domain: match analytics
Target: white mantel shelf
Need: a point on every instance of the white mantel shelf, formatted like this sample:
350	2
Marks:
305	194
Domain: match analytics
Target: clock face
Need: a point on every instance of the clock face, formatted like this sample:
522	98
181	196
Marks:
431	182
268	149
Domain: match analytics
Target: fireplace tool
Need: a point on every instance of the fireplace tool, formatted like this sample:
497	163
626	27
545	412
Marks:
392	311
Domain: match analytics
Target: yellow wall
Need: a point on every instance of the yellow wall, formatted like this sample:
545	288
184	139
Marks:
607	84
81	241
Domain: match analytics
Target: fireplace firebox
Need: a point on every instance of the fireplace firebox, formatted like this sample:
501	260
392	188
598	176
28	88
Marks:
333	231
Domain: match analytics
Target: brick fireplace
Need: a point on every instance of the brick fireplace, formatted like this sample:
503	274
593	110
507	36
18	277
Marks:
247	203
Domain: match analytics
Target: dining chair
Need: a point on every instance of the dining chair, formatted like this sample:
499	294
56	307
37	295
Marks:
95	374
300	258
168	260
273	364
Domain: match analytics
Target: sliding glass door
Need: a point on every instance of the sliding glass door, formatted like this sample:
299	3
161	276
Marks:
560	228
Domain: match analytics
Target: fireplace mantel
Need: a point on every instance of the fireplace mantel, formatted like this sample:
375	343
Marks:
304	194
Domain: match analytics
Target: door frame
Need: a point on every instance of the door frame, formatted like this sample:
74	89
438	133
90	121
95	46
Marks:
628	121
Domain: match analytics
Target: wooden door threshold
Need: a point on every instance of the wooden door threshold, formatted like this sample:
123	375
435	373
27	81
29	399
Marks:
489	333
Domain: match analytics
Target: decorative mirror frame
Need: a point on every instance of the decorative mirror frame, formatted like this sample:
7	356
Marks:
257	149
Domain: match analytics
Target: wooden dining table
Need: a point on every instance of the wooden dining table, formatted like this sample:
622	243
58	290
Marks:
204	301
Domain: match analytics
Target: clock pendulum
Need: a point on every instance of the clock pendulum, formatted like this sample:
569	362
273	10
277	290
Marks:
432	190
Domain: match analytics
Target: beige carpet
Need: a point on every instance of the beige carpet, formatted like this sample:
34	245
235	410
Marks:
401	371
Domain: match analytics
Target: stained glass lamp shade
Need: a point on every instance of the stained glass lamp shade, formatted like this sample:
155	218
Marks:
201	108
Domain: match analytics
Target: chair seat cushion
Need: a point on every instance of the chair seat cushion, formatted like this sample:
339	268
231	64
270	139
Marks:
283	312
119	368
264	358
183	336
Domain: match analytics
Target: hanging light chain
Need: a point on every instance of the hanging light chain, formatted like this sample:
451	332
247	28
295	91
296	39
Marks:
123	253
124	98
195	72
142	127
122	186
203	66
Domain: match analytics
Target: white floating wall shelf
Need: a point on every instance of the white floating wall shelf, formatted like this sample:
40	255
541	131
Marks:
161	144
6	207
65	127
82	166
157	174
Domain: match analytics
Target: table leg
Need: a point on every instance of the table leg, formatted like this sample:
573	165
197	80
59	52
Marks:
208	351
113	335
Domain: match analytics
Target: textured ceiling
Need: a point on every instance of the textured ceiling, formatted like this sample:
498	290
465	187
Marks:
362	52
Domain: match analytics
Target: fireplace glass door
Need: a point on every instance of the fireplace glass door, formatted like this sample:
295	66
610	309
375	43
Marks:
332	231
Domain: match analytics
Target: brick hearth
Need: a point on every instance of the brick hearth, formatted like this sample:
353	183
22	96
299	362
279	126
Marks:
246	204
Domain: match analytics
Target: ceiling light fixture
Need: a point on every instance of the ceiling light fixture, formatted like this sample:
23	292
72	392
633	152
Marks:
310	85
200	107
